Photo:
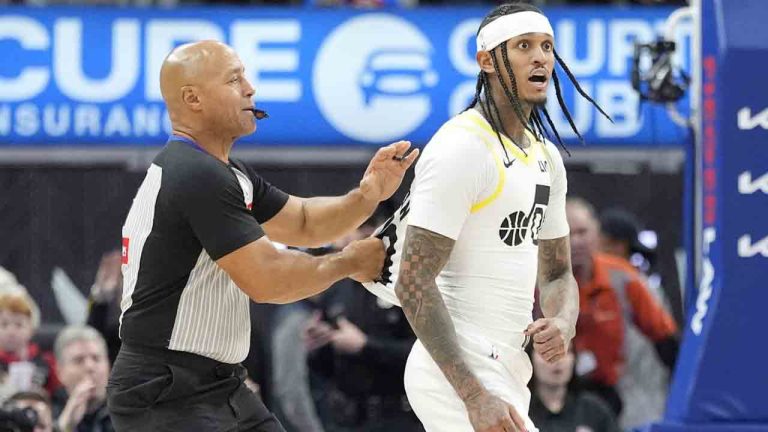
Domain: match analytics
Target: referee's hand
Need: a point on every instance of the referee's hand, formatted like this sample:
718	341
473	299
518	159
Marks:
367	256
386	170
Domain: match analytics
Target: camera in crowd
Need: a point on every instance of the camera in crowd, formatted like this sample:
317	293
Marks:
18	420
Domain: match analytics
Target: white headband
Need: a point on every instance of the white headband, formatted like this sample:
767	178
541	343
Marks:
508	26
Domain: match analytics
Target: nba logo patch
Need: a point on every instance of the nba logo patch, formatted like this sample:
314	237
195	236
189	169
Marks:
124	252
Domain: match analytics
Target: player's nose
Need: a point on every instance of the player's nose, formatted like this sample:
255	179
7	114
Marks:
538	55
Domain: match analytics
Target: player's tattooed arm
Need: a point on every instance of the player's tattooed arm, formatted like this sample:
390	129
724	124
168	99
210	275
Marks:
558	292
424	255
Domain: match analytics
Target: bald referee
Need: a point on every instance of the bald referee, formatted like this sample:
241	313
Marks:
195	248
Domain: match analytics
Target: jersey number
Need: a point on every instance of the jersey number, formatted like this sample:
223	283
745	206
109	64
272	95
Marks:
515	227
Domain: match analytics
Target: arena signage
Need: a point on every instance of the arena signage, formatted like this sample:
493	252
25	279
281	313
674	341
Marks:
347	77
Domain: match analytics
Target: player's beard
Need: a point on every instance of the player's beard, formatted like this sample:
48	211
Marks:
537	103
532	103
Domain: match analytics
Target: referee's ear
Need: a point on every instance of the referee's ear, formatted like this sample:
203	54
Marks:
189	94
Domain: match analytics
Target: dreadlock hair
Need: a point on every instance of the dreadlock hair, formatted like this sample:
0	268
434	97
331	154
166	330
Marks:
534	123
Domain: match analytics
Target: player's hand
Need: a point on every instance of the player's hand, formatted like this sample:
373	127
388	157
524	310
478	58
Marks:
348	339
367	256
488	413
551	337
386	170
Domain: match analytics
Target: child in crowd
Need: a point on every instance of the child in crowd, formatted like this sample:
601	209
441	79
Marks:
23	363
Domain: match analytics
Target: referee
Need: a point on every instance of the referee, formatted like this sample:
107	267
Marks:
195	248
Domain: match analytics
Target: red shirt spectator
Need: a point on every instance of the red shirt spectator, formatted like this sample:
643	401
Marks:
612	296
615	290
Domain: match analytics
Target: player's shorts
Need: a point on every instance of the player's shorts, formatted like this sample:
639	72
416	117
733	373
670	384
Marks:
503	371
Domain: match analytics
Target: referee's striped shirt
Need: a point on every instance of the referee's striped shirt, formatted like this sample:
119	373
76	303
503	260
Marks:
191	210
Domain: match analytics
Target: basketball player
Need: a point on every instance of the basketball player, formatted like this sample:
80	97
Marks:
486	211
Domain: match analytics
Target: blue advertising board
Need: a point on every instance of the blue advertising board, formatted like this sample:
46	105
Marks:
720	377
89	76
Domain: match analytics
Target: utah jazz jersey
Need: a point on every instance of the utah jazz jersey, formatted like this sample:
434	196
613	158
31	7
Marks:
496	202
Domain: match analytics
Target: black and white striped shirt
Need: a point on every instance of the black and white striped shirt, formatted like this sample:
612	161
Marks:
191	210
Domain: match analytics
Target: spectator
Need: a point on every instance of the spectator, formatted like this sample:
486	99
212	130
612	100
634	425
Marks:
557	405
104	301
645	382
292	399
613	301
619	234
81	355
26	365
37	401
361	344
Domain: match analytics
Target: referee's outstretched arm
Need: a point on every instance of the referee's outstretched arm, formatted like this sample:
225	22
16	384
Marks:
313	222
271	275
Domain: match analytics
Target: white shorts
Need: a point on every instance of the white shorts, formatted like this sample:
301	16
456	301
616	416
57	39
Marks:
436	403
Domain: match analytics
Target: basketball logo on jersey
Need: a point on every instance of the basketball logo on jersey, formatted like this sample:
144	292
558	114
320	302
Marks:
515	227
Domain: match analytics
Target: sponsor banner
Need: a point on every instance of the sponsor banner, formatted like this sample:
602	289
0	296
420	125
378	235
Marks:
89	76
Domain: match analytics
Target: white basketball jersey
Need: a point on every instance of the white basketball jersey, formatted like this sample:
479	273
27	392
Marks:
496	203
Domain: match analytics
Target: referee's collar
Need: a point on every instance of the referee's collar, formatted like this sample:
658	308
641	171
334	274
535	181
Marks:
195	146
174	137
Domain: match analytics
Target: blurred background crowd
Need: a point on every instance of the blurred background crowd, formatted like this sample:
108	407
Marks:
335	362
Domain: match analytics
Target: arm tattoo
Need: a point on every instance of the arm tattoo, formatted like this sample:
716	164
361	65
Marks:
554	258
558	292
424	255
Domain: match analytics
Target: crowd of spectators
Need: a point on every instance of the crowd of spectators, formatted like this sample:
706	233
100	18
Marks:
335	362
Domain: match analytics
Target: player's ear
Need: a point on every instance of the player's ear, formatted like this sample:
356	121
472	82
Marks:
485	61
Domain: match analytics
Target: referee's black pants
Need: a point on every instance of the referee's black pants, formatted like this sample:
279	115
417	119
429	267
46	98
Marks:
156	390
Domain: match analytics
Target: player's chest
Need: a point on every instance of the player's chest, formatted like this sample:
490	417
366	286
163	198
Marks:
525	181
514	218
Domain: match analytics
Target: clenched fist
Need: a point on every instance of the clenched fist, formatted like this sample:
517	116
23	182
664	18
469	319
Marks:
367	256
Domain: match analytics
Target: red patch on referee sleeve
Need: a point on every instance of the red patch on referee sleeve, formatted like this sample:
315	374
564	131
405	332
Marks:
250	206
125	250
